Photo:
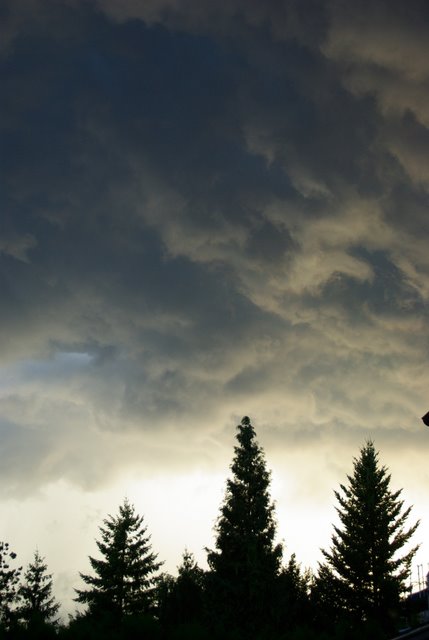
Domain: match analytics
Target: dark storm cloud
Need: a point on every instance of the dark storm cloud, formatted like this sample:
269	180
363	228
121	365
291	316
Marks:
205	202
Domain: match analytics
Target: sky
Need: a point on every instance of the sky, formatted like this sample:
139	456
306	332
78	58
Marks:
208	210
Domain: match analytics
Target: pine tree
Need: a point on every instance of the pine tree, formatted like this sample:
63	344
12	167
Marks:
364	569
246	562
124	580
37	604
9	581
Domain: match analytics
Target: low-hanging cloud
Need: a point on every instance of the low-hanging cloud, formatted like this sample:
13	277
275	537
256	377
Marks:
209	208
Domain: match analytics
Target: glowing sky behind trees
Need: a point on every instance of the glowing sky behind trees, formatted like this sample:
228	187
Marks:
208	210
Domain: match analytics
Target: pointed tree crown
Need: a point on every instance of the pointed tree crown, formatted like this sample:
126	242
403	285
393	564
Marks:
124	580
247	512
246	561
365	560
37	601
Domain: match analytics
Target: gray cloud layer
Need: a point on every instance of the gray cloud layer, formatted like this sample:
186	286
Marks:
209	209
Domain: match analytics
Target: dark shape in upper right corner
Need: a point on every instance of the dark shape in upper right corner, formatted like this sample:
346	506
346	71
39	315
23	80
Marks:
425	419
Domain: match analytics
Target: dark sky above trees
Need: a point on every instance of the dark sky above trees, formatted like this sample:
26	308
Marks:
208	210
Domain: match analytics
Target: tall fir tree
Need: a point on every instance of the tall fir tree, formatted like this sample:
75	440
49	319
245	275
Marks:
364	573
125	579
37	603
9	583
246	562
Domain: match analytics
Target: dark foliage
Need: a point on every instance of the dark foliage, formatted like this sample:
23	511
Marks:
125	578
37	605
364	575
246	563
106	626
181	600
9	581
291	606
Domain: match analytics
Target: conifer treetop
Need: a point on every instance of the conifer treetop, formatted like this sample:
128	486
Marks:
364	563
246	561
126	575
37	600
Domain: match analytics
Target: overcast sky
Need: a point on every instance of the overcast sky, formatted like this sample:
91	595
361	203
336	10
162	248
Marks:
208	209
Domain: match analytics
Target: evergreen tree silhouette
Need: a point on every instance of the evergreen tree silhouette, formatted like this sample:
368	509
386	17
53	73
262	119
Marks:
182	598
9	581
125	579
246	562
292	606
364	575
37	604
190	588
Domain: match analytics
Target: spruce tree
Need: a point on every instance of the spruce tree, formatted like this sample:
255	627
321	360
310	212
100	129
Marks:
364	574
125	579
9	581
246	562
37	604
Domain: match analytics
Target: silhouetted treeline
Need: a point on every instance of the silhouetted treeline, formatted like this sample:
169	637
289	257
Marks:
248	591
